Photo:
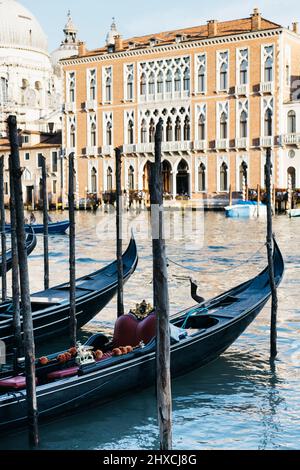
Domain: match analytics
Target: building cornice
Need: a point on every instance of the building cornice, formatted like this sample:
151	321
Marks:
174	47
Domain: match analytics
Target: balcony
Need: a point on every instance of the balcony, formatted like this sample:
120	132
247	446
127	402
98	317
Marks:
91	151
222	144
107	150
145	148
267	141
266	88
70	107
291	139
182	146
129	148
242	143
69	150
200	145
242	90
90	105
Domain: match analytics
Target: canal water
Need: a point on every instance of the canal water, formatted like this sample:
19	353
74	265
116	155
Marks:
240	401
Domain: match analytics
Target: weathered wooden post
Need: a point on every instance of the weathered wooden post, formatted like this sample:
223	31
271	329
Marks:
3	232
45	223
290	193
230	195
15	267
72	267
270	244
119	208
161	298
258	199
29	347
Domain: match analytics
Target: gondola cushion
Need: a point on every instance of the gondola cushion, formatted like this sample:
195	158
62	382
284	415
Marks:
14	383
131	331
146	329
63	374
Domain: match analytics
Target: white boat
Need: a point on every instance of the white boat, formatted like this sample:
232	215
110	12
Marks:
294	213
246	209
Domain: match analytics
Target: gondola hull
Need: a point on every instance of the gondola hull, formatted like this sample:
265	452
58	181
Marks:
117	376
30	246
54	228
51	308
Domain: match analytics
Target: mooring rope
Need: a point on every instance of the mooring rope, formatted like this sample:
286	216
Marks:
231	268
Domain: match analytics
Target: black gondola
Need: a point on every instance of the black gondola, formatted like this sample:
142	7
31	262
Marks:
51	308
204	332
30	246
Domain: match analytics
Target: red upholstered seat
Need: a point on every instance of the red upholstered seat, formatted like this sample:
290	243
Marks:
146	329
14	383
63	374
129	331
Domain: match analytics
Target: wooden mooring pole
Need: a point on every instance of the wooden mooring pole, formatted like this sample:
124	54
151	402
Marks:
270	249
119	208
230	195
29	347
3	232
72	264
15	267
161	298
258	199
45	224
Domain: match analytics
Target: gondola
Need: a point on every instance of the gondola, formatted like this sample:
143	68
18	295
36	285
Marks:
30	246
50	308
54	228
198	336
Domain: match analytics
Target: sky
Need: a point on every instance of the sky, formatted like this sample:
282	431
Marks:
138	17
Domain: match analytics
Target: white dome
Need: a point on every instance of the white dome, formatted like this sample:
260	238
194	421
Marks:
19	28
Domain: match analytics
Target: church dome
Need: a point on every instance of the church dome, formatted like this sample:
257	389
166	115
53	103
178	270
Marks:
19	28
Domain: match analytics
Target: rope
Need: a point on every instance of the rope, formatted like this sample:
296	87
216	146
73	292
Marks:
232	268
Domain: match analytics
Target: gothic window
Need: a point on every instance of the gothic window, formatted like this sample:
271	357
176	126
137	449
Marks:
291	122
130	87
92	85
143	132
72	135
243	124
108	89
177	80
72	87
94	180
223	126
151	131
178	129
130	132
201	127
244	72
160	83
223	77
201	79
223	177
3	90
268	122
187	129
93	134
169	130
151	84
268	63
186	80
131	178
169	82
143	85
109	177
201	177
108	133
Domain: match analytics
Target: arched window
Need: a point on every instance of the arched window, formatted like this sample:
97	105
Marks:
178	129
130	132
291	177
244	72
187	129
72	135
3	90
223	177
108	90
166	174
177	80
143	132
71	86
291	122
201	177
268	123
131	178
201	79
201	127
223	77
182	178
169	130
269	69
151	84
169	82
223	126
243	124
160	83
243	175
109	178
94	180
93	134
151	131
130	87
186	80
143	85
92	87
108	134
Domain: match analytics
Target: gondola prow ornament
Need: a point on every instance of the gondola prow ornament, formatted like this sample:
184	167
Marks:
84	355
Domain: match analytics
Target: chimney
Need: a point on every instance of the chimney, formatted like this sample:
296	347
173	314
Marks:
212	26
118	43
81	49
255	20
295	27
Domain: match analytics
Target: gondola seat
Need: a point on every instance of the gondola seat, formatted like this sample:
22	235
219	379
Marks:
14	383
63	374
129	331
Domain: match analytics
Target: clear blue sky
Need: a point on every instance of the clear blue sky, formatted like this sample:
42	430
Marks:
138	17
